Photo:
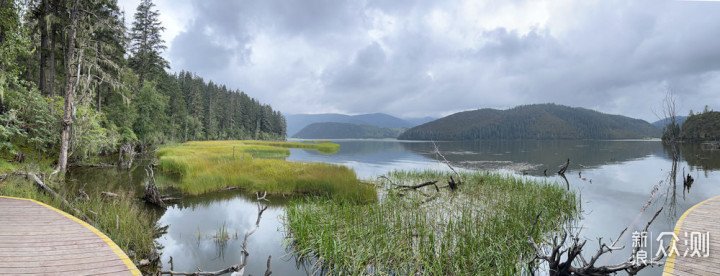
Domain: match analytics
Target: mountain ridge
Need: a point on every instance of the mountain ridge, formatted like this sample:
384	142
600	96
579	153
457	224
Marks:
296	122
537	121
332	130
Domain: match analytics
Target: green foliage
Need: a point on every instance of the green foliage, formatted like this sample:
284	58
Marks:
481	229
15	42
540	121
118	100
215	112
213	165
346	130
146	43
701	127
91	138
150	115
26	120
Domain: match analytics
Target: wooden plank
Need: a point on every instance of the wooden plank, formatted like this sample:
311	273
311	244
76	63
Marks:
12	259
98	267
56	262
702	218
36	240
48	242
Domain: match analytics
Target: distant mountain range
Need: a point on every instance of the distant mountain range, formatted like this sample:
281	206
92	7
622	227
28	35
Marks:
539	121
345	131
296	122
661	123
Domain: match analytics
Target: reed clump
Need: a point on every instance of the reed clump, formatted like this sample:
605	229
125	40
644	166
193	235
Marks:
480	229
251	165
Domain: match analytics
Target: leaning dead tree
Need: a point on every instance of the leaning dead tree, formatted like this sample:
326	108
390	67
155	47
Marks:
453	185
238	269
566	257
55	195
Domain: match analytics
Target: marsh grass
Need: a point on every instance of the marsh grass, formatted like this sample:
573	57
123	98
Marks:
209	166
222	234
123	220
479	230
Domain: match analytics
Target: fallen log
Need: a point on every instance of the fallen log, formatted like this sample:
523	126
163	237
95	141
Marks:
97	165
62	200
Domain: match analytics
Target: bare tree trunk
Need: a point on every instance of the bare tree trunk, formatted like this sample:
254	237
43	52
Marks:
99	98
43	45
69	91
51	82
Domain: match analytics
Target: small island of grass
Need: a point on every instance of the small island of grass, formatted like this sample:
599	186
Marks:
258	166
479	229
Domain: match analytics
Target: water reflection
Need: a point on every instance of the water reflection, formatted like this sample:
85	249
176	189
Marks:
614	179
546	155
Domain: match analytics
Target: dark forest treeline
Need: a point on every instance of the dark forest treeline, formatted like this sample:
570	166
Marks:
539	121
701	127
75	82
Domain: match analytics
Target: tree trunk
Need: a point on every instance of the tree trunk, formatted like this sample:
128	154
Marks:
51	82
3	6
69	91
99	98
43	45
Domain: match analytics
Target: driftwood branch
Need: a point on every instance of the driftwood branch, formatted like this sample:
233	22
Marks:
564	167
566	259
411	187
238	269
437	151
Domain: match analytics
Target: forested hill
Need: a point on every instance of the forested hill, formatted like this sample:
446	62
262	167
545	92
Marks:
539	121
296	122
76	82
345	131
701	127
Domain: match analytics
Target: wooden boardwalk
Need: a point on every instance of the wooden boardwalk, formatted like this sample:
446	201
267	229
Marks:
702	218
37	239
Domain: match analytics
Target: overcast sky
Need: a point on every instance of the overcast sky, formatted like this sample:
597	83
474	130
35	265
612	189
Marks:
434	58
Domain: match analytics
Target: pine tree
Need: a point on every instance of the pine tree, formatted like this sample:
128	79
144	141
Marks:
146	45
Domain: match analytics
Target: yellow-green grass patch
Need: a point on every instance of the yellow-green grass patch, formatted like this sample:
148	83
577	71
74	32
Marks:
253	166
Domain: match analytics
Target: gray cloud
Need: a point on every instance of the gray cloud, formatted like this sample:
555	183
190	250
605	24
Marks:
423	58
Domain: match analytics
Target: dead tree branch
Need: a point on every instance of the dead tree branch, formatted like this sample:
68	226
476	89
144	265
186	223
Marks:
564	167
67	205
562	256
238	269
437	151
152	194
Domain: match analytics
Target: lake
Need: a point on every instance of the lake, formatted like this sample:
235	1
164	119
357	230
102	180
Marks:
614	179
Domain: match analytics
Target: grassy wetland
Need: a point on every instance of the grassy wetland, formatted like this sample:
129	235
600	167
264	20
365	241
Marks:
481	228
257	166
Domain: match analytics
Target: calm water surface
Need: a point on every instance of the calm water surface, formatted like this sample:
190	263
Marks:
614	179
